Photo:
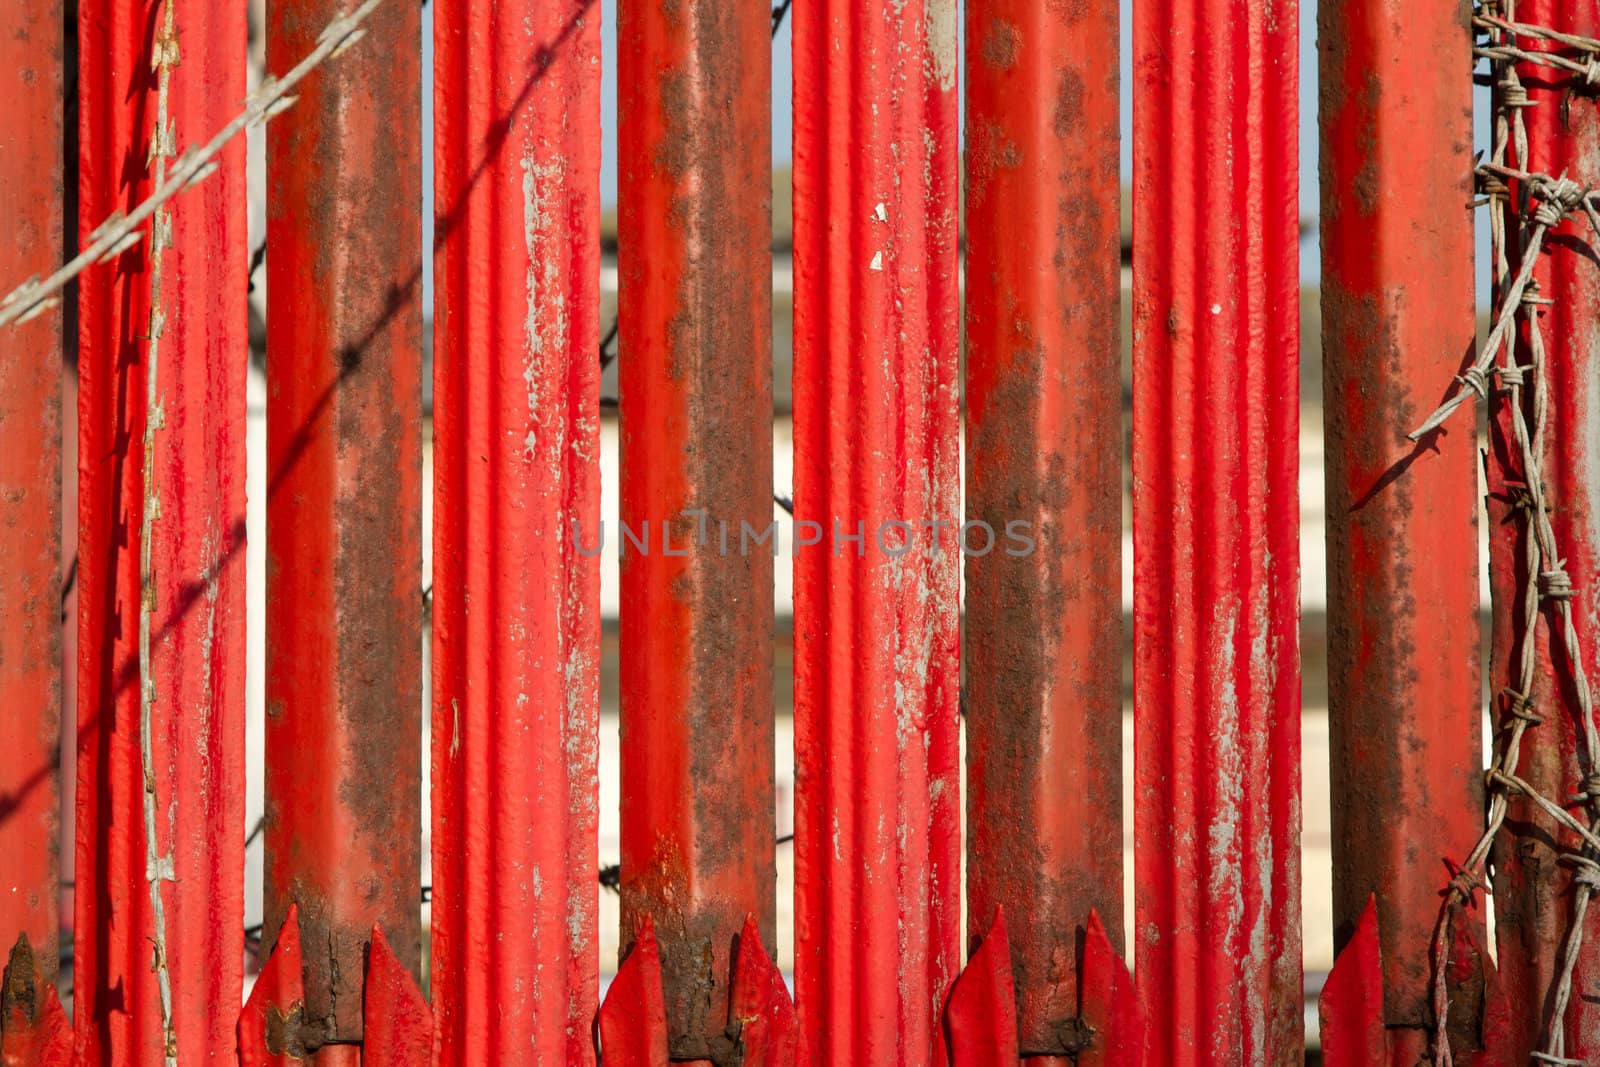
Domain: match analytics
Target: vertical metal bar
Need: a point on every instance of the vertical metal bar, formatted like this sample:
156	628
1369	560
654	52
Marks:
1403	633
1215	425
31	197
195	600
877	896
516	580
695	288
1043	639
1532	888
344	607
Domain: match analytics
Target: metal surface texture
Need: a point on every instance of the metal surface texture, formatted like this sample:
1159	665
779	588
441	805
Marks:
398	1030
270	1024
1042	639
695	379
31	361
1532	888
344	608
761	1013
1403	631
1215	515
516	580
34	1029
877	863
981	1014
632	1022
194	604
1353	1030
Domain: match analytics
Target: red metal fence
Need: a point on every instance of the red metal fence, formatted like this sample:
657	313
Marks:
886	204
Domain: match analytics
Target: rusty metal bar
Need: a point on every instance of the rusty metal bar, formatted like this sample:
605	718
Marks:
1043	640
1404	690
695	378
1215	427
343	737
516	626
189	325
877	895
1532	889
31	197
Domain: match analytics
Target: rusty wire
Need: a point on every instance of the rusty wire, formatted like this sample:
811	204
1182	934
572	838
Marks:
164	57
120	232
1544	202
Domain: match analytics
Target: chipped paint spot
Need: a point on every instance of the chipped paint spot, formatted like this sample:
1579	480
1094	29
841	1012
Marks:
941	32
544	292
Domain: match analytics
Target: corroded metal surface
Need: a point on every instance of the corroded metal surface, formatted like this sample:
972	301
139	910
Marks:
344	611
695	376
516	620
31	199
877	863
1215	526
1042	642
196	599
1403	631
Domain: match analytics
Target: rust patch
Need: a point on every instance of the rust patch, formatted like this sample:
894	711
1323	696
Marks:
703	412
19	986
1001	44
286	1034
1067	114
989	151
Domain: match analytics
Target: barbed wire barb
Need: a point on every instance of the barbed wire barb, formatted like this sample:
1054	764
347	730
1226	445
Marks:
119	232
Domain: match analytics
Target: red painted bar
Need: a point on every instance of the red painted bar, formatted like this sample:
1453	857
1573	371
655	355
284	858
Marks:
1215	444
695	377
877	858
1043	639
31	198
197	329
1532	890
516	625
1403	633
344	606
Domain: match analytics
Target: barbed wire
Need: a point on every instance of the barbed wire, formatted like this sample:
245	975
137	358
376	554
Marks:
120	232
1543	583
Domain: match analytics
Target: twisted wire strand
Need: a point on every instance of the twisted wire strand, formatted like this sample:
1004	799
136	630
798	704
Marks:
1543	584
158	866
